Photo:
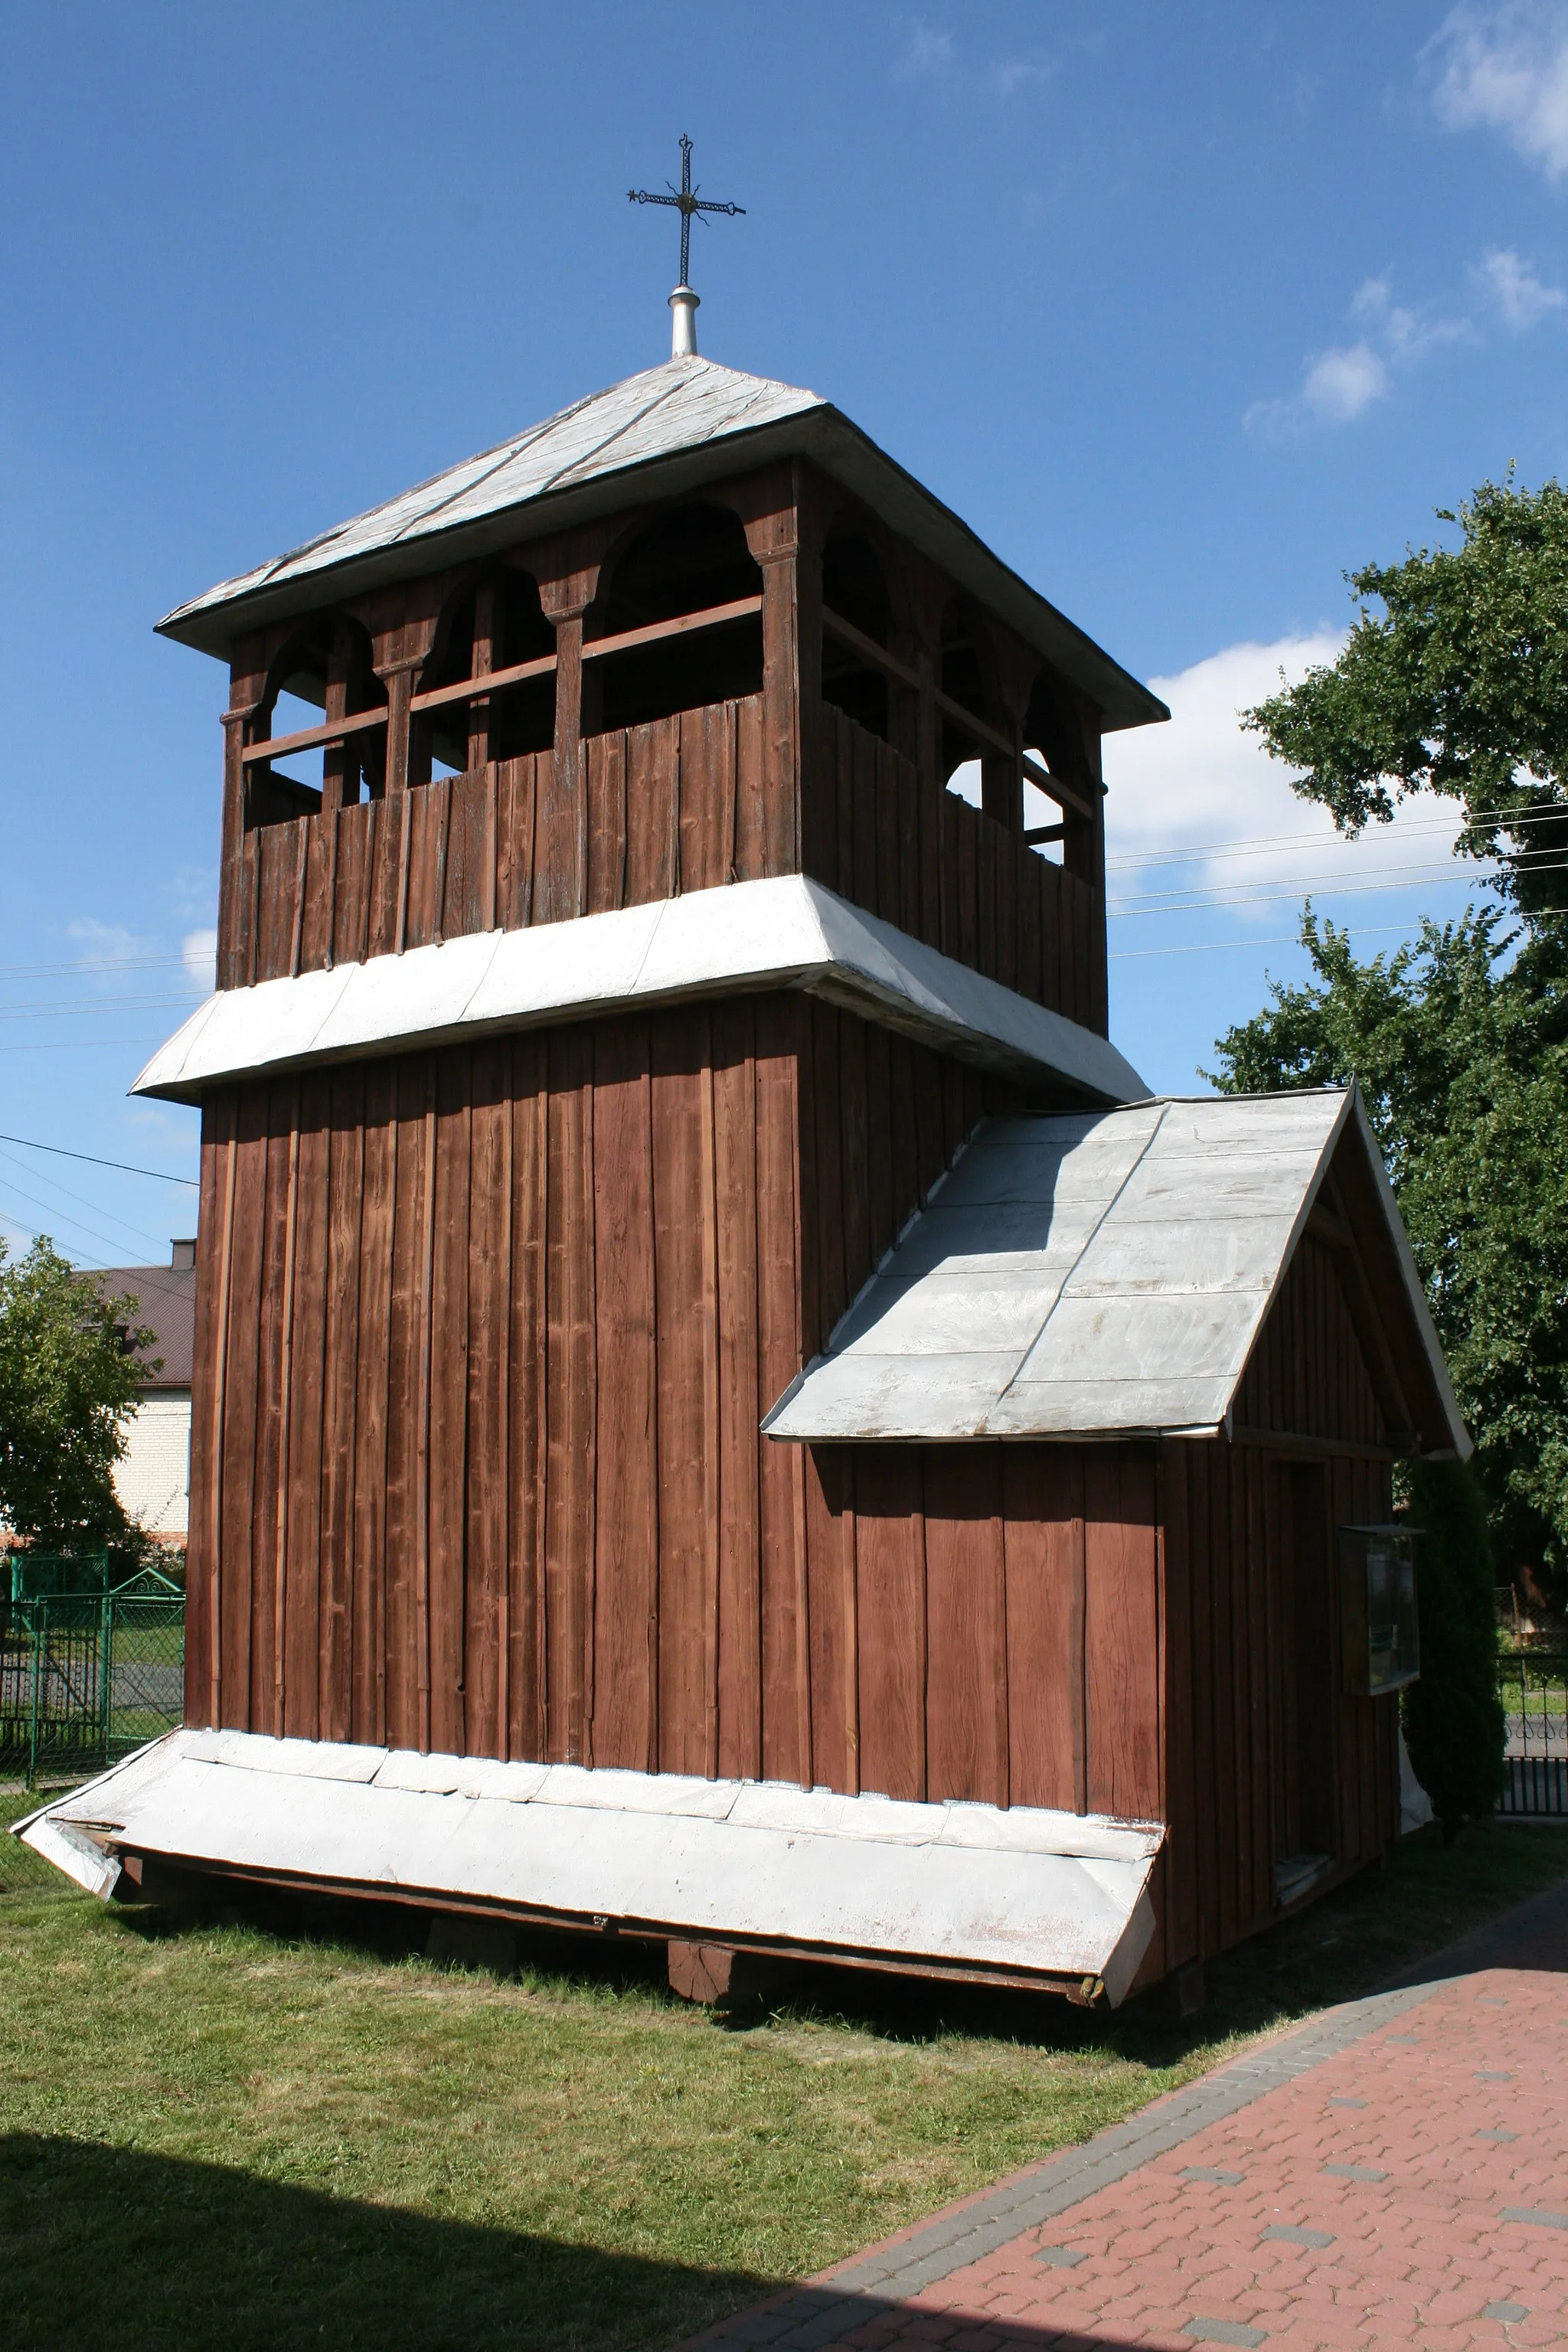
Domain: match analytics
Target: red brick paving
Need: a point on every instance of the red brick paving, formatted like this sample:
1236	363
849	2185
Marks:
1383	2147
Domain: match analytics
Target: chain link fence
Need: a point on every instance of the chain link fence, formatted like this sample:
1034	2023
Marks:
88	1673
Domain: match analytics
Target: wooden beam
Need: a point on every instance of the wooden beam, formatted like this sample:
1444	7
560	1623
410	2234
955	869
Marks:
1055	790
309	738
834	626
1293	1443
713	617
1038	832
495	681
489	681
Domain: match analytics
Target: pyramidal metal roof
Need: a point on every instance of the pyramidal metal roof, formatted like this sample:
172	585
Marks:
679	425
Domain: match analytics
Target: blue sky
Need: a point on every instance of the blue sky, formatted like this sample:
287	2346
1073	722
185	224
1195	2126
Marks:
1186	311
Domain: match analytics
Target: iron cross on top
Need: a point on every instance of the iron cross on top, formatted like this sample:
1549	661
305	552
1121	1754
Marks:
687	203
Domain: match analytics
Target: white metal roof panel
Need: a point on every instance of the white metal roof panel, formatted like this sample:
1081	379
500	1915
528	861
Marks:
959	1885
679	406
788	932
1097	1273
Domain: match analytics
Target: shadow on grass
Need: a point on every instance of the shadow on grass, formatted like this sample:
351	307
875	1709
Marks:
117	2250
126	2251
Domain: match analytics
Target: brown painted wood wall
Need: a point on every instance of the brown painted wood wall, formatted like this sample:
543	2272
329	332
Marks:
484	1340
677	806
1227	1517
987	1617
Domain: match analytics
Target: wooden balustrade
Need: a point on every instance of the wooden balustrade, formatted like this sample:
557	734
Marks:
948	874
675	806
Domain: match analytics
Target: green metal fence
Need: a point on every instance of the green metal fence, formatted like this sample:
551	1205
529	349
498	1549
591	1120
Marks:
90	1673
1533	1685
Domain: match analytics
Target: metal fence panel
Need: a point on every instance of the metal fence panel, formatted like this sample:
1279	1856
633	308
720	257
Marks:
85	1678
1533	1685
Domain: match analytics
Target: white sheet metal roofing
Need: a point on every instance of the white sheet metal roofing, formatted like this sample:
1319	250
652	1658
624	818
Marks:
1097	1274
964	1886
679	425
787	932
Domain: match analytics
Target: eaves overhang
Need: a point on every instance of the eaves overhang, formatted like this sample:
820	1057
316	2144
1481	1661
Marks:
313	576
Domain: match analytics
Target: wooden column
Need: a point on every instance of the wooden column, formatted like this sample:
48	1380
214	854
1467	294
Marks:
1002	776
231	853
561	859
398	679
1083	854
485	621
785	536
336	758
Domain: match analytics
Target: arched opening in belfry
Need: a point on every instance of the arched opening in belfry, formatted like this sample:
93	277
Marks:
1053	740
692	562
324	672
855	593
967	686
496	625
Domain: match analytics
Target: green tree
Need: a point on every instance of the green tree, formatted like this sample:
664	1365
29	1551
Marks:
1462	1061
1458	687
68	1383
1453	1717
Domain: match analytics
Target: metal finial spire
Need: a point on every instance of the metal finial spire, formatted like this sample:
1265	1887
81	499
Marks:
691	207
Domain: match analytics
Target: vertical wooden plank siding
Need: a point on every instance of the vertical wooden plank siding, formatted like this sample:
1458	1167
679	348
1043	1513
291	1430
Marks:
1043	1515
891	1580
966	1610
1121	1633
630	1501
486	1472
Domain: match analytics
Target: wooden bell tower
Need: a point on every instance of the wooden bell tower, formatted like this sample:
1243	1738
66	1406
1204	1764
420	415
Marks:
491	1305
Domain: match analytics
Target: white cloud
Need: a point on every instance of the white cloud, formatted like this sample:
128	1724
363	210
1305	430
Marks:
1340	384
1336	386
1341	381
929	52
199	952
105	942
1013	74
1205	794
1506	68
1512	288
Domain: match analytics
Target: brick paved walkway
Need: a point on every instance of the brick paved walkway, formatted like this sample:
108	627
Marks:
1395	2174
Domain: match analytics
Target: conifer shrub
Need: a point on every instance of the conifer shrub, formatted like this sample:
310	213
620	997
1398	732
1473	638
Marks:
1453	1717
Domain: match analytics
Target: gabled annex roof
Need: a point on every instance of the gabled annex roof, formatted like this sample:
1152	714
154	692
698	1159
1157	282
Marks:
677	426
1108	1272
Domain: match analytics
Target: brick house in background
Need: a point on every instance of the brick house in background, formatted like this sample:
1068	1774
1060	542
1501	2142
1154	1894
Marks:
154	1476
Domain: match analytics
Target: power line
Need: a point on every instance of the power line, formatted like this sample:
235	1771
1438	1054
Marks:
123	1166
1277	940
82	1201
1288	885
59	1217
1194	904
94	964
78	1045
70	1005
1511	819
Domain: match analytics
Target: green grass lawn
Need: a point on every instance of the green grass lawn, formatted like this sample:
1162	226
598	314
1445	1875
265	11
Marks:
289	2129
